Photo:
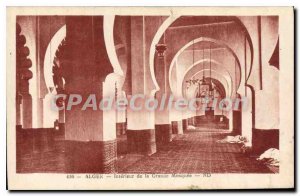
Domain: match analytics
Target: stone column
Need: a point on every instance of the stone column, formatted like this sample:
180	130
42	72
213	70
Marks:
121	116
26	111
141	132
122	87
18	111
58	82
266	130
23	75
236	120
90	143
140	124
190	91
40	112
163	128
246	123
177	126
185	120
191	121
263	31
184	124
191	118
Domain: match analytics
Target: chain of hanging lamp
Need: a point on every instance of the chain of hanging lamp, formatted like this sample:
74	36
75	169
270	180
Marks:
161	47
235	77
193	81
211	88
204	81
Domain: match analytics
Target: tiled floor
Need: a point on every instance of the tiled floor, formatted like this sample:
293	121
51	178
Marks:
40	153
195	152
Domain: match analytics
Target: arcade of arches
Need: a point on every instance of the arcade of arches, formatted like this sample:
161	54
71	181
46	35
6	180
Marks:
154	56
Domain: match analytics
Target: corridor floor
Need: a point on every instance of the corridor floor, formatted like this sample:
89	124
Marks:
194	152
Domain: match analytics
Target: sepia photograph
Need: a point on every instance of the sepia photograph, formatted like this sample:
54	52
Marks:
150	98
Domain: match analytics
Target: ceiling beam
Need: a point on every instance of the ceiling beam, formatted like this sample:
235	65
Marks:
200	25
201	49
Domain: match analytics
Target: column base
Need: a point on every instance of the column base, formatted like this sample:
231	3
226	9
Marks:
61	131
236	132
31	145
27	111
177	127
191	121
194	119
141	141
184	124
90	157
174	125
124	130
163	133
263	139
121	128
237	123
61	126
198	119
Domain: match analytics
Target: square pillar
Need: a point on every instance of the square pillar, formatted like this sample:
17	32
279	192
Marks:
90	145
